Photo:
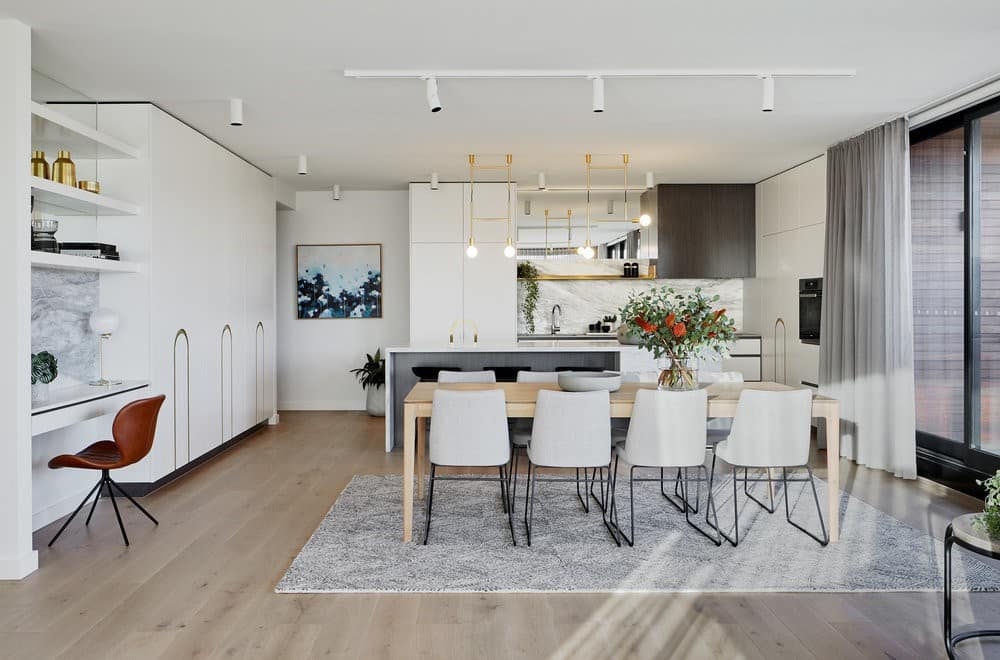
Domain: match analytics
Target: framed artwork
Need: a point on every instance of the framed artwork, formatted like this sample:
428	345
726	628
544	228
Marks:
339	281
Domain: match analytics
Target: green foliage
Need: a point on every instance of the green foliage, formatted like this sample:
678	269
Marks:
372	374
529	273
677	325
44	367
989	522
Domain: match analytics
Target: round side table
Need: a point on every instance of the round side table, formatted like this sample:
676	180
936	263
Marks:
961	532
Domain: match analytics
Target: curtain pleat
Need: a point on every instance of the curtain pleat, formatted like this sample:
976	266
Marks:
866	345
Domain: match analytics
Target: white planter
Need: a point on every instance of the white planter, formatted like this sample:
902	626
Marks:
39	392
375	401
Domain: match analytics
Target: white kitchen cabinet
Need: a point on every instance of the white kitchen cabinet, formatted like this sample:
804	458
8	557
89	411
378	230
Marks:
436	215
770	202
490	200
789	185
435	291
490	296
812	195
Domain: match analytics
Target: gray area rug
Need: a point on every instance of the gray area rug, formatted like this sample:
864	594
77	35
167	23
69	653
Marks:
357	547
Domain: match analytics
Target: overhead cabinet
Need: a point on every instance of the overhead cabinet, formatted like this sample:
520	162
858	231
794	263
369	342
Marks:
704	230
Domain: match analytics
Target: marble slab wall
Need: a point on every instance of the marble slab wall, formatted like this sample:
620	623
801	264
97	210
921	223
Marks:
585	301
61	304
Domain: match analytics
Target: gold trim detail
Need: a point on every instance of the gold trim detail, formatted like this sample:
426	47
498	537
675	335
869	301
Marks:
222	383
187	345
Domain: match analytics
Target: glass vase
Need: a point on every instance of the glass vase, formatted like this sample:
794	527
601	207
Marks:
678	374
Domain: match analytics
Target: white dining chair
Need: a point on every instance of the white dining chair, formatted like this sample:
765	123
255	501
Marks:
770	430
445	376
520	427
666	431
571	430
469	430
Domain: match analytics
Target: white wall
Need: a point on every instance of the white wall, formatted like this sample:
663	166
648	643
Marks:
314	355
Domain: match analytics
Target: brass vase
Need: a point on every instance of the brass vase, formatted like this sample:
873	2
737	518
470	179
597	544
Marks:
63	170
39	166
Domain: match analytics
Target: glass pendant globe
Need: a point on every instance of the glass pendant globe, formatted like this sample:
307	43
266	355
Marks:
645	220
509	251
588	252
471	251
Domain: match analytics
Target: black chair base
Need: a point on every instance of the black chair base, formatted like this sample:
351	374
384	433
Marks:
584	497
508	503
950	641
108	483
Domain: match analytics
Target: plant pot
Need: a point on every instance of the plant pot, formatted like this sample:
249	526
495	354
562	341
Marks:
375	401
39	392
605	328
680	374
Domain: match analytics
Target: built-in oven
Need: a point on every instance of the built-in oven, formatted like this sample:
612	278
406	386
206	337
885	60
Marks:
810	303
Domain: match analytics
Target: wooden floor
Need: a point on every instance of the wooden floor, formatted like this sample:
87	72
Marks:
201	584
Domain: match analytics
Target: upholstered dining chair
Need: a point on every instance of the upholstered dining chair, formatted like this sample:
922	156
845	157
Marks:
132	432
445	376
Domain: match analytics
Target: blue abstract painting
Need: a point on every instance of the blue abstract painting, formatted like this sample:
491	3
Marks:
339	281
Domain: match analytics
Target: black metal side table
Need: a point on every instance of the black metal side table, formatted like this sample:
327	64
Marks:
961	532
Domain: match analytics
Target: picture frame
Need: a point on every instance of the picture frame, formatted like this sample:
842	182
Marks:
338	281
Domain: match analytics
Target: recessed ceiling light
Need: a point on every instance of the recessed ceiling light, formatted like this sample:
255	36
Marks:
303	164
433	100
235	112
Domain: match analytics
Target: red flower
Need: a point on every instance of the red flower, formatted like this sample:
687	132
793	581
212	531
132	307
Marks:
719	313
679	330
671	317
648	327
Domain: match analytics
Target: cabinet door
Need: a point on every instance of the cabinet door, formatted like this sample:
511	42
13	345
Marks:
812	197
789	187
490	200
490	296
435	291
436	215
770	203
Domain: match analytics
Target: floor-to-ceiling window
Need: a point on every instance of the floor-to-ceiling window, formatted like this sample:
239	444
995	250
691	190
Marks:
955	207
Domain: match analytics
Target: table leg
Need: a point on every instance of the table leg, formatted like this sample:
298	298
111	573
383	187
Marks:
421	451
833	472
409	422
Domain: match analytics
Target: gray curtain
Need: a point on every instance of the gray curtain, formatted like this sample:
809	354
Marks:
866	334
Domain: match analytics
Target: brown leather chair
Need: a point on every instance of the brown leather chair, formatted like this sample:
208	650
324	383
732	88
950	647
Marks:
132	430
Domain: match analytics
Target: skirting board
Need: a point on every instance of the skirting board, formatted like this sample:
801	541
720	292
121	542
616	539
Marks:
328	404
19	567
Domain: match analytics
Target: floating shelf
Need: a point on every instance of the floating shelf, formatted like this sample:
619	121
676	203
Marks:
52	131
71	262
60	199
590	277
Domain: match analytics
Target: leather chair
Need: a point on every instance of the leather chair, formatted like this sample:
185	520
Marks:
132	430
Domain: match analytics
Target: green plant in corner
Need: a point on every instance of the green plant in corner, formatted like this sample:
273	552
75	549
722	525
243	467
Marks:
44	367
372	373
527	272
989	522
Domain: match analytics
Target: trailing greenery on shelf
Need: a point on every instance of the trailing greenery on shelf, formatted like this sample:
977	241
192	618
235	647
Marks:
372	374
989	522
44	367
526	271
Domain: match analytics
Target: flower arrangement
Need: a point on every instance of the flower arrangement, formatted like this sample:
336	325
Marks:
989	522
678	326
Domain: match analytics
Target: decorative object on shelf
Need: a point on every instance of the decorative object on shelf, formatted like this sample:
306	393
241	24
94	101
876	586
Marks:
608	322
104	323
39	166
89	186
509	250
44	370
678	327
527	272
64	170
339	281
43	233
93	250
372	378
989	521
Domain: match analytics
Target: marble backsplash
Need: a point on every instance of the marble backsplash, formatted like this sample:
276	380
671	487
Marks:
585	301
61	304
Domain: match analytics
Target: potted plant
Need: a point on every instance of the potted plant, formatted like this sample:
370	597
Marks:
528	273
989	522
608	322
44	369
676	328
372	378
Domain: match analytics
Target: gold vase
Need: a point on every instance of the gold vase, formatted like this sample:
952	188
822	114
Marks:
39	166
63	170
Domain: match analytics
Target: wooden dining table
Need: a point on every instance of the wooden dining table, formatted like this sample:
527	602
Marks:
521	397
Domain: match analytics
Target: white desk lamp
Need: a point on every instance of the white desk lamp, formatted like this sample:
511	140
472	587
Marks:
104	323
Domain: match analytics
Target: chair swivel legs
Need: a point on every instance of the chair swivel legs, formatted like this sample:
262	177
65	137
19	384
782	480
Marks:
94	505
788	515
114	483
118	515
70	519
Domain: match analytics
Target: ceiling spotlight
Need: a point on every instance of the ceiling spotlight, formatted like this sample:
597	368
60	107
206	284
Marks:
767	101
433	100
509	250
235	112
527	207
611	207
541	180
336	192
472	250
434	181
649	181
645	220
597	84
303	165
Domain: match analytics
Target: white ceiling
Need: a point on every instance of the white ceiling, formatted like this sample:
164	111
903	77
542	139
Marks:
286	60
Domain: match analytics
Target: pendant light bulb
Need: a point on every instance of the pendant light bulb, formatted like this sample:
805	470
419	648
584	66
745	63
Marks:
541	180
509	250
472	250
645	220
649	181
767	100
579	250
434	181
336	192
597	85
588	250
433	100
303	164
235	112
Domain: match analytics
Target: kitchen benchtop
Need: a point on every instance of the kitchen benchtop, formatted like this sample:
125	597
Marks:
573	346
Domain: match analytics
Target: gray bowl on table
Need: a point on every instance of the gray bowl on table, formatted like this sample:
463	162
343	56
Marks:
590	381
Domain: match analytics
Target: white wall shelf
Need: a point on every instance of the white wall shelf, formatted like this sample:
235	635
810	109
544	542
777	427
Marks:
60	199
72	262
52	131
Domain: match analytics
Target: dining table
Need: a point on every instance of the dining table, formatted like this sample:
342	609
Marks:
723	398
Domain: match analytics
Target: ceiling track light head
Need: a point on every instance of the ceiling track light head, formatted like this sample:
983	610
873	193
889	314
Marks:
433	100
235	112
434	181
650	184
303	165
767	93
541	180
336	192
597	89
